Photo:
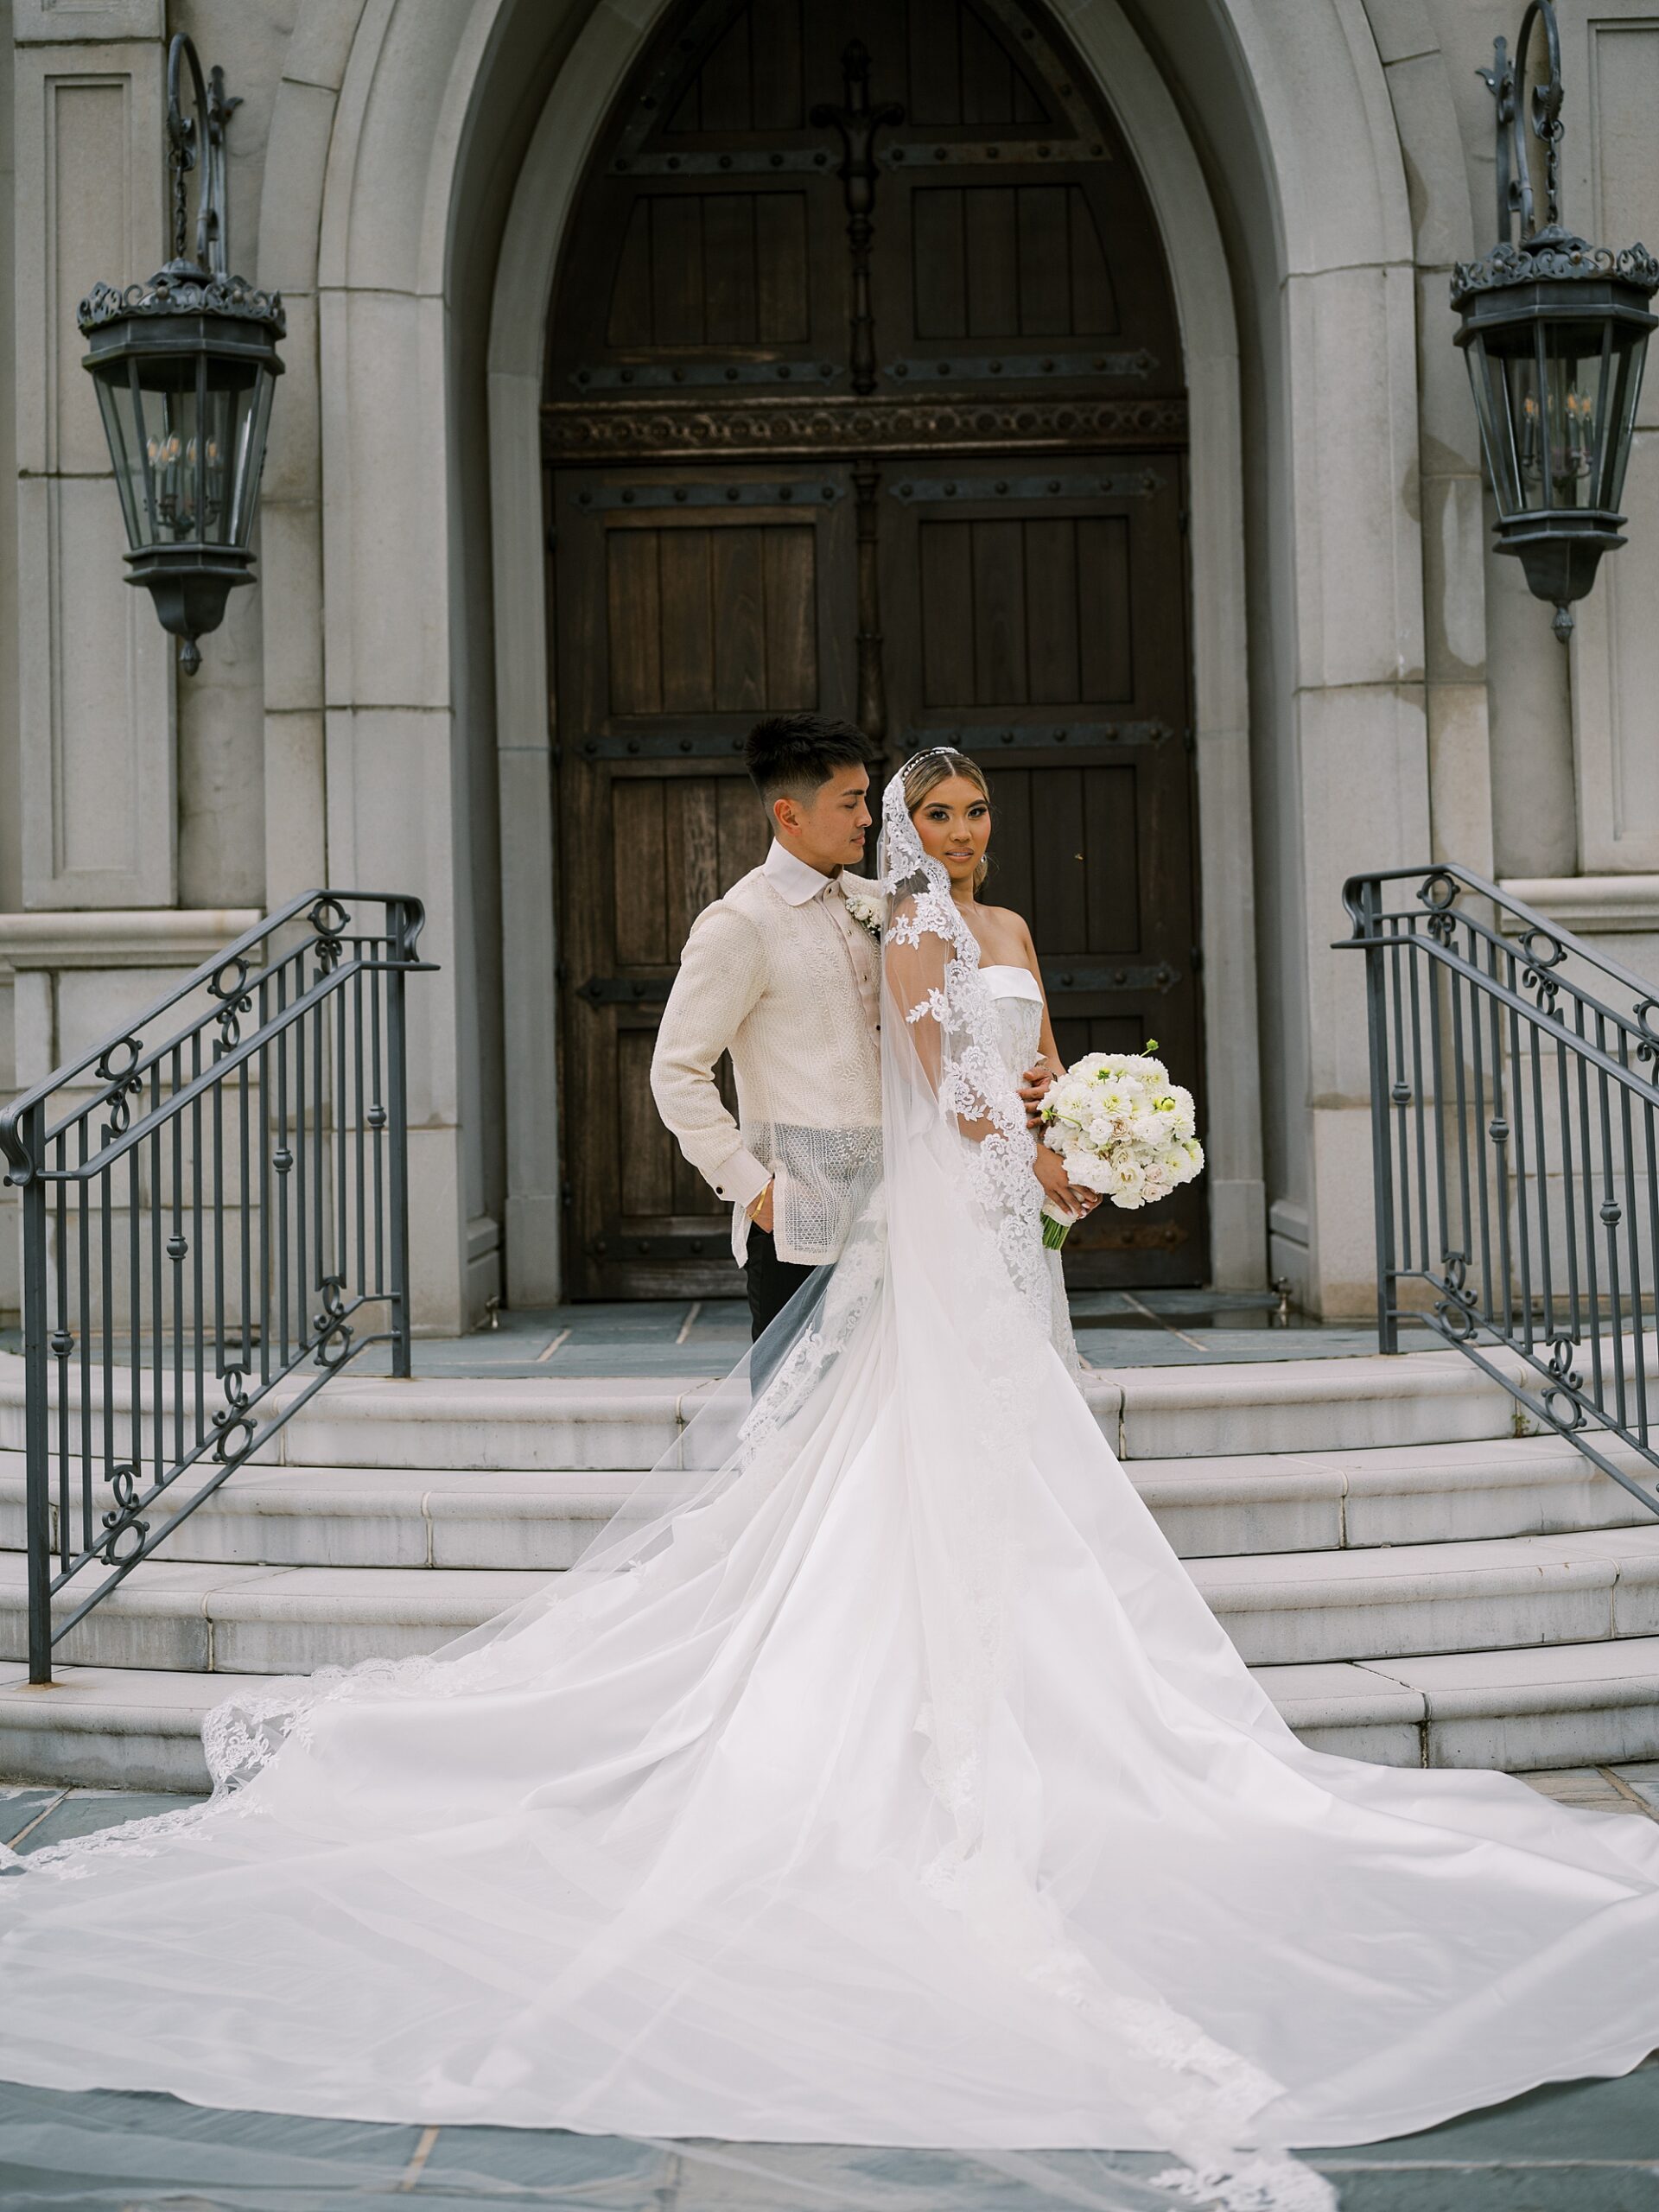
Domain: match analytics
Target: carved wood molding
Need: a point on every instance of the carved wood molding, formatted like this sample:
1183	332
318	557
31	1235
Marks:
841	424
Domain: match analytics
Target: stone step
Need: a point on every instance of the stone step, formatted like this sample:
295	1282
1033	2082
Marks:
1253	1502
1304	1405
1561	1705
1208	1507
210	1618
375	1516
111	1727
1549	1705
558	1424
1407	1600
1280	1608
510	1422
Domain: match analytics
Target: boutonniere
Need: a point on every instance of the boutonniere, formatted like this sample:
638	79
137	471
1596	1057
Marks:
866	909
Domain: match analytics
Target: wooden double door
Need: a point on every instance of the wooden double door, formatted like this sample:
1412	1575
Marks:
912	545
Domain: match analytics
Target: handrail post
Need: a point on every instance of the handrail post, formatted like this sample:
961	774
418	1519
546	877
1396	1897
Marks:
37	1475
1387	1326
398	946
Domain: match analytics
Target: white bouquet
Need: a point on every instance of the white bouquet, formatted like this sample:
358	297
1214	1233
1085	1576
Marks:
1122	1128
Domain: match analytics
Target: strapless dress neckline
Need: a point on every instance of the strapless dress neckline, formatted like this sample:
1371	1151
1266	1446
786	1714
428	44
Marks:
1024	984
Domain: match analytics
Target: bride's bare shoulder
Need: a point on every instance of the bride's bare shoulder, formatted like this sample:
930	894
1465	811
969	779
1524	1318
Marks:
1005	933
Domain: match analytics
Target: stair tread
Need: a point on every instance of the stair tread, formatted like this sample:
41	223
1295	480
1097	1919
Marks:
1349	1379
1593	1555
1594	1551
1355	1375
1536	1668
137	1689
1388	1467
198	1581
329	1486
1375	1466
257	1488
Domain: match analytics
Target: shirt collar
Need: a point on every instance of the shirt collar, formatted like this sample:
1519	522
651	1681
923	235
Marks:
791	879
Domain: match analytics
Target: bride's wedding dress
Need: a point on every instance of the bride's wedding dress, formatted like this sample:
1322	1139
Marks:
880	1777
1018	1008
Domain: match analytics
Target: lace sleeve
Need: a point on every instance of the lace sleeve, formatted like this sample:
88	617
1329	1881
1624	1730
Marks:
934	983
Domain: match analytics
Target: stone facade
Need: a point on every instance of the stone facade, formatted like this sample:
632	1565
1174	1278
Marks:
1372	688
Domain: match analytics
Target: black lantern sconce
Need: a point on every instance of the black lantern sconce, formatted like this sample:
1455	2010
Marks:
185	367
1554	332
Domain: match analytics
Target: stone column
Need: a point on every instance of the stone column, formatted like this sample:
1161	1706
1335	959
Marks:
1455	603
290	511
1360	706
1356	604
95	675
1609	66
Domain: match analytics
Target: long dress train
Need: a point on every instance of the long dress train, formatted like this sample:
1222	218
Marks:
879	1776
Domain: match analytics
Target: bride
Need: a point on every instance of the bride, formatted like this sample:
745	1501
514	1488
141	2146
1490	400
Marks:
878	1777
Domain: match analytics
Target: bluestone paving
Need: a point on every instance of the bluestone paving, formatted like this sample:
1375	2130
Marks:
22	1807
79	1812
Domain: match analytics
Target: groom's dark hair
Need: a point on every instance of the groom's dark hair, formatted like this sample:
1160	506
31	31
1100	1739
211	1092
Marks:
795	755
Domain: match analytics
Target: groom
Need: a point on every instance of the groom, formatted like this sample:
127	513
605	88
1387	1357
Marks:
780	973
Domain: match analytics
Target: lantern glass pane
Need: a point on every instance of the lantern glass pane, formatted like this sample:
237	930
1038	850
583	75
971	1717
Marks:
165	393
1488	383
248	451
196	410
1619	430
230	407
1527	418
1556	398
122	422
215	453
1572	381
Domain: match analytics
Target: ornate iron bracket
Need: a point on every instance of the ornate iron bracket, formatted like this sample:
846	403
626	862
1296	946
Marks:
1506	81
186	135
858	123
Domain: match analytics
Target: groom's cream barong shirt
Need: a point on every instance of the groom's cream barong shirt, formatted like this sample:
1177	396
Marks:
778	973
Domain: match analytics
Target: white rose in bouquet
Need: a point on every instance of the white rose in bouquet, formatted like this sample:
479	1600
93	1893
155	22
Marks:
1122	1128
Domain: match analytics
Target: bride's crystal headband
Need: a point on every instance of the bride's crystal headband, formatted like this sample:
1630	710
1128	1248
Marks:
933	753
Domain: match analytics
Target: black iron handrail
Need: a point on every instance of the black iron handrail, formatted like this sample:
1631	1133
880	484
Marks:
1515	1151
294	1035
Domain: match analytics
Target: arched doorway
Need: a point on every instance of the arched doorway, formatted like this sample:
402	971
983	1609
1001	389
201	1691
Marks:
925	467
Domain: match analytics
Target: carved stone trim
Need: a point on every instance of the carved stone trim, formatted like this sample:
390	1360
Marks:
841	424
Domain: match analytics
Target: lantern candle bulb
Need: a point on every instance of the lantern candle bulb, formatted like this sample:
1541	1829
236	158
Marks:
1580	434
1529	438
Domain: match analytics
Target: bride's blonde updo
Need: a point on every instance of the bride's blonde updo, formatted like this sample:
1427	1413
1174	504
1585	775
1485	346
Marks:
928	769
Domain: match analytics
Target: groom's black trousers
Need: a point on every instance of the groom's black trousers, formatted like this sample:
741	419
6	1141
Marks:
772	1281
